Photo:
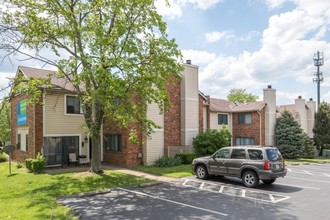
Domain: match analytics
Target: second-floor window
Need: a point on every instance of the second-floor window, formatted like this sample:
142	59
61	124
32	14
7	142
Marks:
73	105
222	119
245	118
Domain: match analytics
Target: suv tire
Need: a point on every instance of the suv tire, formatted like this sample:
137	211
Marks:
268	182
201	172
250	179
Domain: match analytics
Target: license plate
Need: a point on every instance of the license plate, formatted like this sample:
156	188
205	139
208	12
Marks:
277	166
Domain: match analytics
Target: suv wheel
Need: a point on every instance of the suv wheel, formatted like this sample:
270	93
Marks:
268	182
250	179
201	172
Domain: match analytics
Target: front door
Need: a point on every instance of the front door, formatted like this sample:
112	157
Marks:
57	149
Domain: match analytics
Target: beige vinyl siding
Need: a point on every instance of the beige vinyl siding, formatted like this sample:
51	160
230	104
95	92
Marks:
56	122
154	147
189	104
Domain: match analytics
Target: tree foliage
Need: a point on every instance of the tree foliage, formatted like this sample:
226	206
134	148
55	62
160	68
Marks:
4	122
322	126
116	54
241	96
208	142
289	136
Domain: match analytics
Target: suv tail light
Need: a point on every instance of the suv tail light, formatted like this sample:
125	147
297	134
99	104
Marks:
266	165
283	163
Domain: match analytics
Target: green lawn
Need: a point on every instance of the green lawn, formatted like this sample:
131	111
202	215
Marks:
174	172
27	196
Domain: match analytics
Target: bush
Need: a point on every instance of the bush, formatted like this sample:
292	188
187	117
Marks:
168	161
208	142
3	157
186	158
36	165
310	150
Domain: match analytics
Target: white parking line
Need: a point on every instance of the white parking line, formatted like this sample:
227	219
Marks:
171	201
248	194
307	172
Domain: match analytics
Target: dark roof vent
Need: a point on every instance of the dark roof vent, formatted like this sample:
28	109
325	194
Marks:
188	61
269	86
310	99
299	97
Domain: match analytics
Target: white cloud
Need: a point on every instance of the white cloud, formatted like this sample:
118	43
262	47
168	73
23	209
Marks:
272	4
215	36
198	57
173	10
201	4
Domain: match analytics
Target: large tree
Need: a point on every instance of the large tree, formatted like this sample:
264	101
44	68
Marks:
4	122
290	138
241	96
322	126
116	53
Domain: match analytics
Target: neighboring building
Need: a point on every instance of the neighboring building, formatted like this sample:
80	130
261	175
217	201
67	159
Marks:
254	123
57	127
303	111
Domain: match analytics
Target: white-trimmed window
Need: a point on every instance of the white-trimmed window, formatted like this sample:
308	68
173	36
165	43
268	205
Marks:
73	105
244	118
222	119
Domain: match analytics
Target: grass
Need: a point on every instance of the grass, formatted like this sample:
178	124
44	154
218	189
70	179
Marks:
304	160
27	196
174	172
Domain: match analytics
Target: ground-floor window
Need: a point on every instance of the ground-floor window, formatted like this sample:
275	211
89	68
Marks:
57	149
112	142
23	138
244	141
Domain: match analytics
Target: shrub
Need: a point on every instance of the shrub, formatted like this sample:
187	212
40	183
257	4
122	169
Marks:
3	157
19	165
165	161
186	158
36	165
208	142
310	150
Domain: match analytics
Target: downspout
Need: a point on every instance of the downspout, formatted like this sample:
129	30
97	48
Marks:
260	135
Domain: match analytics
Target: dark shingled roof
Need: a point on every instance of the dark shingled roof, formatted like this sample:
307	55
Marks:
56	81
221	105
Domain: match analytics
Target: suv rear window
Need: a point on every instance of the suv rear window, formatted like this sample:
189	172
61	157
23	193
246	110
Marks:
273	154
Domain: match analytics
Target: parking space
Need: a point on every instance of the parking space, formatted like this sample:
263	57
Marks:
302	194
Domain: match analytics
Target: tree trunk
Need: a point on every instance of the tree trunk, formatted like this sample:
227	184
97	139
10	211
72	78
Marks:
96	155
94	118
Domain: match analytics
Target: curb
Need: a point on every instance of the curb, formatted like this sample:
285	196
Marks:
91	193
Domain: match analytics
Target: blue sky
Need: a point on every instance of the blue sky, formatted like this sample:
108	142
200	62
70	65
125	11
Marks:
250	44
247	44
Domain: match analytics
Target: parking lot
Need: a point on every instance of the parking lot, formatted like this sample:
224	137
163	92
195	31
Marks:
303	194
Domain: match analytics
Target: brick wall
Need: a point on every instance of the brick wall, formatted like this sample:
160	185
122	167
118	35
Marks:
129	154
200	113
172	116
250	130
35	128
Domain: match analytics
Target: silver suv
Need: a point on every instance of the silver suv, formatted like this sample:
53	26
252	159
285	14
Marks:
250	163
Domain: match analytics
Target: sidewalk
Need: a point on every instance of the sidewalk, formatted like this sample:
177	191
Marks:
119	169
